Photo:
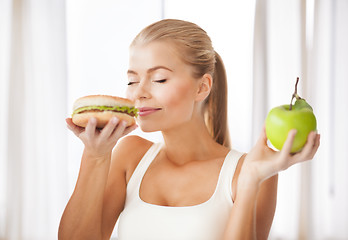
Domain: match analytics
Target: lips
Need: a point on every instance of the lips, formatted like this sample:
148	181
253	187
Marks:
144	111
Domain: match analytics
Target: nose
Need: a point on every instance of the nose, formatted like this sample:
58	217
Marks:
141	91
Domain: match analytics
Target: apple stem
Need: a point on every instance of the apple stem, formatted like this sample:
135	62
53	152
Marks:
295	95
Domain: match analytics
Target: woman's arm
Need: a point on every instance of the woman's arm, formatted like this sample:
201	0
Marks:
251	215
241	223
266	206
261	204
83	215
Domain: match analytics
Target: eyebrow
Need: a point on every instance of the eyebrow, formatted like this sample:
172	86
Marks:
150	70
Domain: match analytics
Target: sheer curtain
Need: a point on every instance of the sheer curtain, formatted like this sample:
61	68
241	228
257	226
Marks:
308	39
33	102
328	77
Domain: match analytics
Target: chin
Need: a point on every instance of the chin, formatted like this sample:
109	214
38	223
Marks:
160	125
147	128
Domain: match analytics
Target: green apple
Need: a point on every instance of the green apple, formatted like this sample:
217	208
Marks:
280	120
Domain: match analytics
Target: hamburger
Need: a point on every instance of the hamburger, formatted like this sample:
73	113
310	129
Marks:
103	108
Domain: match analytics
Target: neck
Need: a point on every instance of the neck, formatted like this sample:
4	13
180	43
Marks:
190	142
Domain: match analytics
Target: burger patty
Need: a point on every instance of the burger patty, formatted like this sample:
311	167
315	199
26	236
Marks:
132	114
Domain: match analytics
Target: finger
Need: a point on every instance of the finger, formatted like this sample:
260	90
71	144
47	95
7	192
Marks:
69	123
286	149
91	126
74	128
130	129
119	130
305	153
109	127
315	147
307	149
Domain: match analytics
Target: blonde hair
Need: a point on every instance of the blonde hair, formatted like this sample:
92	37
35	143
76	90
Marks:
197	51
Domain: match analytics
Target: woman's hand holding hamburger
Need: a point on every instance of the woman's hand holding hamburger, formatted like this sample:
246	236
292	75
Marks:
100	121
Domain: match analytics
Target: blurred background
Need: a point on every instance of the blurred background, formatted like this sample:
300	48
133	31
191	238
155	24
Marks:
54	51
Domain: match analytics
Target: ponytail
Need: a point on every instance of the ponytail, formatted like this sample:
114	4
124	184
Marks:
215	113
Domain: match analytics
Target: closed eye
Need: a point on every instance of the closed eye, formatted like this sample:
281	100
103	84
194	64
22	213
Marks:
160	81
131	83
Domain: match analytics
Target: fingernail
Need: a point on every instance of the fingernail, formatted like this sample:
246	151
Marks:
93	120
114	120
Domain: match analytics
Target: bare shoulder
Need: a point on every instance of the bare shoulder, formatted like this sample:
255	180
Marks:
128	152
125	157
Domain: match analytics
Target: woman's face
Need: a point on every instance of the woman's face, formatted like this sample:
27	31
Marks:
161	85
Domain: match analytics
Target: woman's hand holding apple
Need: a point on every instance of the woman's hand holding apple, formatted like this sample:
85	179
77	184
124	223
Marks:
262	162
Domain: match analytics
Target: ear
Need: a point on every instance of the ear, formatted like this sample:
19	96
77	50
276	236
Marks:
204	87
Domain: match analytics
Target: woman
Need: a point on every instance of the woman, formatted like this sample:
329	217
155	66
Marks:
192	186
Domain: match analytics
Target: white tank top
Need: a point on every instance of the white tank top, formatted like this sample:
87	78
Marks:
206	221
